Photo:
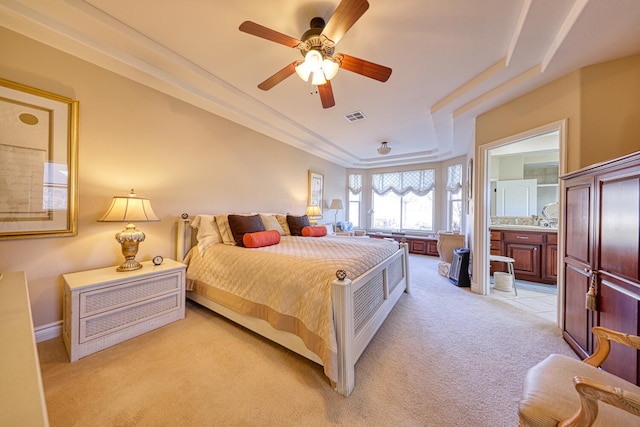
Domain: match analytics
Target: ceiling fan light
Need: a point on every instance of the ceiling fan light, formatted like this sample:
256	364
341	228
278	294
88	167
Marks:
330	68
384	149
313	59
318	78
303	71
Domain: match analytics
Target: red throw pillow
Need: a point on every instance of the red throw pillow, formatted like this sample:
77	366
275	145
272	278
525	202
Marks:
313	231
261	238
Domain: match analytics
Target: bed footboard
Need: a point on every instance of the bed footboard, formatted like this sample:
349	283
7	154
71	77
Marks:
361	306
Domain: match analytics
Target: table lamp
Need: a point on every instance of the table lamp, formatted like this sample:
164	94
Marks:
313	212
129	209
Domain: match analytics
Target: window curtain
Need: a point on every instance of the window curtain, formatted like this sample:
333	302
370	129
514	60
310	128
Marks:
355	183
454	178
419	182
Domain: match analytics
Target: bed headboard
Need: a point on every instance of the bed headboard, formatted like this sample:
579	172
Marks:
185	238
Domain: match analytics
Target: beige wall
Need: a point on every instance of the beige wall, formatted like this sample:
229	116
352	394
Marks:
555	101
610	110
601	103
181	157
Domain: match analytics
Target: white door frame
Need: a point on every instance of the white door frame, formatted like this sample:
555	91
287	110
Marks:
483	200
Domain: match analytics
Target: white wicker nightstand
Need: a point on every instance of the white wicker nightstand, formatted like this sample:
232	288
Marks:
104	307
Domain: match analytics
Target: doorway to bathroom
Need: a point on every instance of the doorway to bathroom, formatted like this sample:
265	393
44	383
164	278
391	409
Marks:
519	217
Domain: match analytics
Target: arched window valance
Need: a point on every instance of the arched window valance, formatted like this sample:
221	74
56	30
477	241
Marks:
454	178
419	182
355	183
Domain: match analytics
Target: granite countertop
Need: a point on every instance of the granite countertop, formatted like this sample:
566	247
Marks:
516	227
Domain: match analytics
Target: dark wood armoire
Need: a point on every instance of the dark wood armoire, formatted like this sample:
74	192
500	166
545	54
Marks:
602	250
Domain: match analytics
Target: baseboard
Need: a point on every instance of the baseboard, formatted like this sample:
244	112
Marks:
49	331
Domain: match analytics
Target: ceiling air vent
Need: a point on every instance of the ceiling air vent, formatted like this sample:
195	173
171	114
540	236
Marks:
355	116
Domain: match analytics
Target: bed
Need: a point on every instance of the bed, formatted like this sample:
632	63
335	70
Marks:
323	297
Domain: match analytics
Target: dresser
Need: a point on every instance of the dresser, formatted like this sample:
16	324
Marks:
602	252
104	307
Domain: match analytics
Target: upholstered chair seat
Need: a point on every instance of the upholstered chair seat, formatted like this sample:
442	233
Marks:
553	390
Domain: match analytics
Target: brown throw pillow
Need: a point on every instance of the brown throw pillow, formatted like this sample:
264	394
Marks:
241	224
297	223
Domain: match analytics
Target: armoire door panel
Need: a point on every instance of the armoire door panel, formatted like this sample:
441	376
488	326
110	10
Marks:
618	309
619	227
578	223
576	316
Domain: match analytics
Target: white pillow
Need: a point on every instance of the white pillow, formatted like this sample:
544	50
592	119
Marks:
271	223
208	231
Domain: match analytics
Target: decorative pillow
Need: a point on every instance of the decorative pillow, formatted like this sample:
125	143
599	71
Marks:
225	231
282	220
329	228
241	224
311	231
297	223
260	239
271	223
208	231
344	226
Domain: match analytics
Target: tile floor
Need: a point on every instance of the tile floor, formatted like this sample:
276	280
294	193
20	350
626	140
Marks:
538	303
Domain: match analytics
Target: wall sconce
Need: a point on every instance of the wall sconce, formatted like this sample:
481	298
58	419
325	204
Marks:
337	205
129	209
313	212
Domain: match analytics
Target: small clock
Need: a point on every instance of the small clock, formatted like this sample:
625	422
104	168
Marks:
157	260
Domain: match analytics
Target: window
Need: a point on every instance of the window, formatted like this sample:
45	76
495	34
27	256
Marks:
454	197
355	198
403	200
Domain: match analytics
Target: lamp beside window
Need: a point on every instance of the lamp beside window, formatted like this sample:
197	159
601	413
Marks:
337	205
313	212
129	209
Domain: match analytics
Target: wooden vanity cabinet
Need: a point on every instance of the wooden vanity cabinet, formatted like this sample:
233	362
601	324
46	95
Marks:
496	249
525	248
602	246
534	252
550	259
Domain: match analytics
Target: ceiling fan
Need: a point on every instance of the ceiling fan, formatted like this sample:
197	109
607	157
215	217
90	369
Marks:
317	46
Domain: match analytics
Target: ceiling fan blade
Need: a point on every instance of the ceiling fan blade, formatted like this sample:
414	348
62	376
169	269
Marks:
346	14
326	95
365	68
267	33
278	77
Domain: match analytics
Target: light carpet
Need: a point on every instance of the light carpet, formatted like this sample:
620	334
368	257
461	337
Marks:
444	357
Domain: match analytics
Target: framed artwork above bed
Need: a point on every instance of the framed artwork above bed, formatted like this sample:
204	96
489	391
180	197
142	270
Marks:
316	188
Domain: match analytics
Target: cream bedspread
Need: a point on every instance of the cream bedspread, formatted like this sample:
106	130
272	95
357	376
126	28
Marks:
288	284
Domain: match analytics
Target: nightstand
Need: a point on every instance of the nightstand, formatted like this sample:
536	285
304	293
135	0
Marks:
104	307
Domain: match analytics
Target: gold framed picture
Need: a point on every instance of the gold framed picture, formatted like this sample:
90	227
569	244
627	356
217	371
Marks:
316	189
38	162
